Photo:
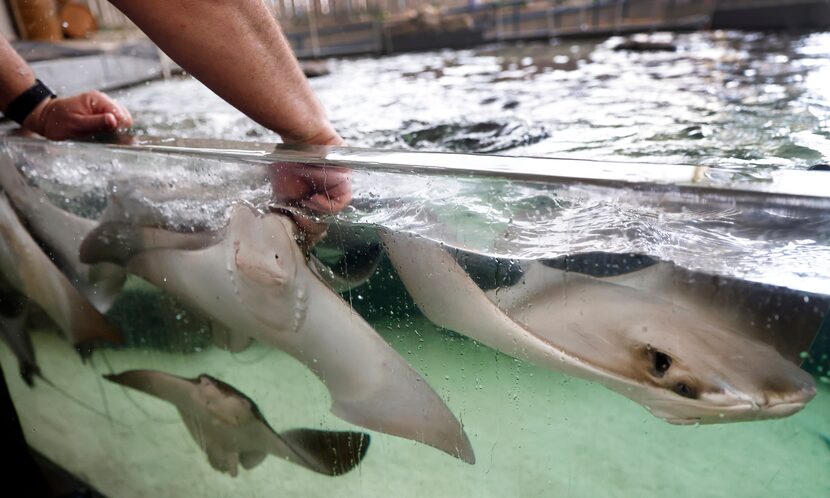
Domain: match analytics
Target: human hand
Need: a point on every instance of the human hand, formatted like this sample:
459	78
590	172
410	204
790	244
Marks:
77	117
324	135
324	189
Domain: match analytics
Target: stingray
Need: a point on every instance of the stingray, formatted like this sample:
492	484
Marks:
788	320
62	233
232	431
253	281
685	366
29	271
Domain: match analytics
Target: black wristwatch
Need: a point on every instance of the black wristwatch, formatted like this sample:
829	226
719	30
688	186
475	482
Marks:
20	108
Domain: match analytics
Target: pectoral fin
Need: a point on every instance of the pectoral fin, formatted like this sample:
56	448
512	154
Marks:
167	387
118	242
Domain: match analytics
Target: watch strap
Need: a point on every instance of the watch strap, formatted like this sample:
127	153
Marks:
20	108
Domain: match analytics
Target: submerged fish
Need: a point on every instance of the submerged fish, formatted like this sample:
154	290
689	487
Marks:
232	431
27	269
62	233
787	320
685	367
13	314
253	280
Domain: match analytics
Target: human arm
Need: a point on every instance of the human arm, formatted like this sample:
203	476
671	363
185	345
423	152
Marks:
57	118
238	50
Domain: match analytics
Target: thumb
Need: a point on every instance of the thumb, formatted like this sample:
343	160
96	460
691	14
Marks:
96	122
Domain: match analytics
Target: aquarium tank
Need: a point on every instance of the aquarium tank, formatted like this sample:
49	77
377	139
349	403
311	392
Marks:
175	324
539	269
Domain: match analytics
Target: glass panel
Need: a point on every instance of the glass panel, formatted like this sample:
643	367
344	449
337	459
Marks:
459	330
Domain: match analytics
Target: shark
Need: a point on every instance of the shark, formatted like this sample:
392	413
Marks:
61	233
685	365
232	431
29	271
252	280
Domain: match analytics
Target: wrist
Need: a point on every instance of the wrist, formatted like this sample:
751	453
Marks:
24	104
36	120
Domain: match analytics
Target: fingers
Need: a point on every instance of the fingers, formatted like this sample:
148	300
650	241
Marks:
287	182
322	189
99	103
79	116
331	200
87	125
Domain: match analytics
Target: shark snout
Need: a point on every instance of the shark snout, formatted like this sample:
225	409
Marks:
781	396
802	394
773	396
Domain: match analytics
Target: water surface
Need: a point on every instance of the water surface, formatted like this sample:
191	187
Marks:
723	99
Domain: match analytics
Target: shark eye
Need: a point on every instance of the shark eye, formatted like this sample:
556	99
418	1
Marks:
660	362
685	390
277	257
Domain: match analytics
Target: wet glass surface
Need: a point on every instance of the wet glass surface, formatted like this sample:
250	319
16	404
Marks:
546	331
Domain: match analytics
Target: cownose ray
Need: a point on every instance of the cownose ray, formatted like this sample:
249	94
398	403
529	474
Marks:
62	233
29	271
789	321
252	279
13	314
685	367
232	431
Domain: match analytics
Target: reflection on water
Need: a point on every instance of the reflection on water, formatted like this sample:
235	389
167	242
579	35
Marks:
726	99
491	338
